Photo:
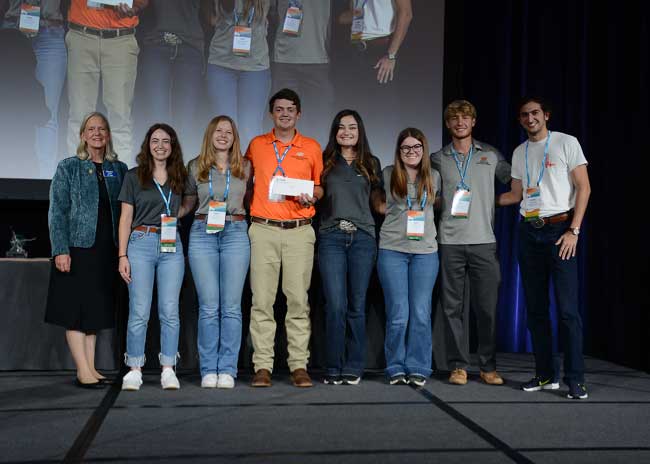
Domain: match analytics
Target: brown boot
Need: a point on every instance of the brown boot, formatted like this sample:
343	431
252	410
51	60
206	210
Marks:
262	378
491	378
301	379
458	377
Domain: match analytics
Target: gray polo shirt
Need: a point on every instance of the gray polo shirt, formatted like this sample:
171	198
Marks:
147	202
310	45
486	165
235	201
393	231
347	196
50	10
221	53
180	18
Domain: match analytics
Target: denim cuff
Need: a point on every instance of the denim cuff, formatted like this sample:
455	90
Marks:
419	370
392	371
134	361
355	372
167	360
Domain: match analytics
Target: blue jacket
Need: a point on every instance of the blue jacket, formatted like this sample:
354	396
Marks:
74	198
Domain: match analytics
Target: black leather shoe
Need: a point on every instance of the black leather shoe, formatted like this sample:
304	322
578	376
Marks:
90	386
107	381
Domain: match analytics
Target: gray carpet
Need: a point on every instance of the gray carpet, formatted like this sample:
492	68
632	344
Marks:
44	418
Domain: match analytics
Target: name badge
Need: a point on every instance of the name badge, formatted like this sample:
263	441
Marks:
30	17
168	234
533	203
415	225
242	40
216	217
460	204
108	173
292	20
357	24
275	197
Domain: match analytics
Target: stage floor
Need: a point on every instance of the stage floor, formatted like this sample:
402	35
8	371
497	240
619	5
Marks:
45	418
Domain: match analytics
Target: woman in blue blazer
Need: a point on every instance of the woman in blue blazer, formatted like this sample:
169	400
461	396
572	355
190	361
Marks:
83	219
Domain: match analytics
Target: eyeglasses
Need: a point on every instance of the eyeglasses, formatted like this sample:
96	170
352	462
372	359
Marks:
405	149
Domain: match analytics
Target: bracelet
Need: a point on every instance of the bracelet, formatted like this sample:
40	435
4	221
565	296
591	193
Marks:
122	256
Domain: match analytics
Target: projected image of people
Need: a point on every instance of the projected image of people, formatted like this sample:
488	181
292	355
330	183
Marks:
238	75
45	33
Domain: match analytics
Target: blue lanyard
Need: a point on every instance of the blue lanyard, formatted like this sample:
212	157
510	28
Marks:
225	192
463	174
422	203
251	15
541	172
280	159
167	200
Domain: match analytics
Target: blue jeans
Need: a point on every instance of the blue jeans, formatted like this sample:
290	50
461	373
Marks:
170	85
51	66
539	261
346	261
408	281
148	262
219	264
242	95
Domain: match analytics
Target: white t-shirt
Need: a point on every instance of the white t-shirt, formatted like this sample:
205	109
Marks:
556	188
378	19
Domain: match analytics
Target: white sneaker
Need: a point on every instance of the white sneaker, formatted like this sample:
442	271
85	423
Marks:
209	381
168	379
132	380
225	381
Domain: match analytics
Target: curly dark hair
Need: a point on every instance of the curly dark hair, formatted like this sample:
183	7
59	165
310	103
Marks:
176	172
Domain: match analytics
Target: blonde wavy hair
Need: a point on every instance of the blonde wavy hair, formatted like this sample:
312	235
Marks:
109	152
208	155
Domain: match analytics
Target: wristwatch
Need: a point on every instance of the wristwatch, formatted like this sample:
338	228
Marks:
575	230
392	56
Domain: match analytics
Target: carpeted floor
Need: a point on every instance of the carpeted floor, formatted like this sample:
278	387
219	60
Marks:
45	418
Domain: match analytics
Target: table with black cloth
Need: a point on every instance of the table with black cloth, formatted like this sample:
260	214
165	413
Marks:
28	343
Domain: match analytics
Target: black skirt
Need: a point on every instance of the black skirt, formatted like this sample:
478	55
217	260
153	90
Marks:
84	298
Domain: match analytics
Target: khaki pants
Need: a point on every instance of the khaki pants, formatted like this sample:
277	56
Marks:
115	62
293	250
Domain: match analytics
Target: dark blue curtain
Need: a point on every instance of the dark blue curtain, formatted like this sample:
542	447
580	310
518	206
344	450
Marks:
590	60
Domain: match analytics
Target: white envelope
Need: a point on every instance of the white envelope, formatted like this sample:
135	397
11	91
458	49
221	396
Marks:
291	187
129	3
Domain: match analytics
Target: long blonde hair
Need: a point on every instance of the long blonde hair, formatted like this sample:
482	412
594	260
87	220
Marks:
109	152
208	154
398	178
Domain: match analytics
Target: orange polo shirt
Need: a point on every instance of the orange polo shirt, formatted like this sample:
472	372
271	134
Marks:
98	18
303	161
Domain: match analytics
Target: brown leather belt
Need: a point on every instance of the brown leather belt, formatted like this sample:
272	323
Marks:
148	229
103	33
372	43
538	223
229	217
289	224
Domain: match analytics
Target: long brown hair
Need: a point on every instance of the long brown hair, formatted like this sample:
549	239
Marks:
208	154
365	163
176	172
398	178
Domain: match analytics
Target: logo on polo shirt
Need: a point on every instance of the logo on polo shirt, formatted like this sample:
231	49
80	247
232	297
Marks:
548	163
483	160
300	155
